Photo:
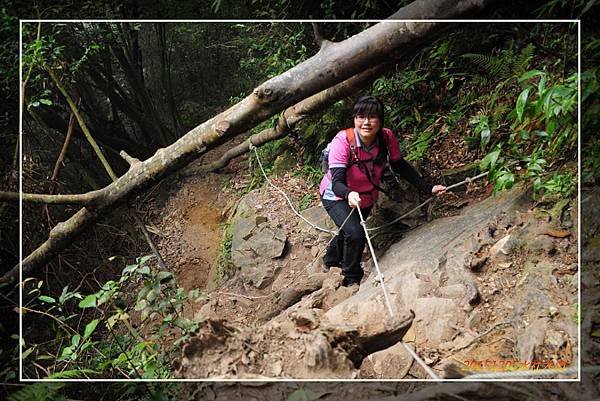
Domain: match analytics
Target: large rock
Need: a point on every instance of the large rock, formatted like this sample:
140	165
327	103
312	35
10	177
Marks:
255	243
425	273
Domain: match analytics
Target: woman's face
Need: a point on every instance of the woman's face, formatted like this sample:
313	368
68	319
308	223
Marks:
367	126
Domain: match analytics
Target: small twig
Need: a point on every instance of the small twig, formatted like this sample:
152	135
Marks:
319	39
231	294
480	336
129	159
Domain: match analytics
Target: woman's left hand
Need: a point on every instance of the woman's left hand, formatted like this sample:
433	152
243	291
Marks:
438	190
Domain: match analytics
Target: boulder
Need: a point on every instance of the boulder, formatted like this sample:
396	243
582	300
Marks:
255	243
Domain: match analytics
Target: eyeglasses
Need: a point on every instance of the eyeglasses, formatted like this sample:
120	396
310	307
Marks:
364	118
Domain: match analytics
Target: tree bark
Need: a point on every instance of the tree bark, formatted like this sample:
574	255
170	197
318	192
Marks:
440	9
82	124
67	199
63	152
332	64
165	76
295	114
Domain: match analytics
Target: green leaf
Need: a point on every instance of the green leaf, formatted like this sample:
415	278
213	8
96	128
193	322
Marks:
66	352
521	102
140	305
164	276
89	301
129	269
143	259
47	299
90	327
47	102
75	340
63	296
27	352
485	137
489	161
531	74
145	270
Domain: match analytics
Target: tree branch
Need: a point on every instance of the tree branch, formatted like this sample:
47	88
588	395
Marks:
63	152
331	65
82	124
67	199
295	114
425	9
319	38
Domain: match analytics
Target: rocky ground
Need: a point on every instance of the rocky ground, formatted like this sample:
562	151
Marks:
473	278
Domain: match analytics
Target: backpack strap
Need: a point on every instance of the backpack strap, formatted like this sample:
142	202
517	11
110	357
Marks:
352	142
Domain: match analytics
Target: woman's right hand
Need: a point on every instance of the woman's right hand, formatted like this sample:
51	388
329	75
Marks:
354	199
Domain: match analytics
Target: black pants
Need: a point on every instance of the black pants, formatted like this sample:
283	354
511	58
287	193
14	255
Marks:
345	250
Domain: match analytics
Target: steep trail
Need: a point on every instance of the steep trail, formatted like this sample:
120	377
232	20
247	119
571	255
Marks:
470	304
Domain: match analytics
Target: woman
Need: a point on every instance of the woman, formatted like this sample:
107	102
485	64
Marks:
357	158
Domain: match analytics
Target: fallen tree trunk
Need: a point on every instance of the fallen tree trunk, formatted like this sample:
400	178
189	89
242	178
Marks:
334	63
297	113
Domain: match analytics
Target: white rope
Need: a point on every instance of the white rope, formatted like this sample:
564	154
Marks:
523	374
252	147
380	277
466	181
415	356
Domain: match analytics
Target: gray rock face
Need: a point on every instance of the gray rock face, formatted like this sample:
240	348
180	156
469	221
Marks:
425	272
255	243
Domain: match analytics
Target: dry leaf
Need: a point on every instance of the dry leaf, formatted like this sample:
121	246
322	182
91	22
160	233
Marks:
558	233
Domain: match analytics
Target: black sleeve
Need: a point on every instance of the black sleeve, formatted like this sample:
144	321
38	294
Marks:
338	182
408	172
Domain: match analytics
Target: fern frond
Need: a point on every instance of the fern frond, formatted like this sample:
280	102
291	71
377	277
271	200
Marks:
524	59
493	65
37	392
73	374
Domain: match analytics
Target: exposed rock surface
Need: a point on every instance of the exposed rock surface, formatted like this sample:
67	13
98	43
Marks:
255	242
494	282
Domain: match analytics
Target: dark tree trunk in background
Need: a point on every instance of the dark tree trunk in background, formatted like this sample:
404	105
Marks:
165	75
334	63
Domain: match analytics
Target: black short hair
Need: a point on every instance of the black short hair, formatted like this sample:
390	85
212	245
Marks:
366	105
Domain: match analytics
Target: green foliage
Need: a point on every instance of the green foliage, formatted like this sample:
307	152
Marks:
276	49
543	127
307	201
312	174
575	8
417	149
39	392
224	267
503	64
563	184
481	129
139	348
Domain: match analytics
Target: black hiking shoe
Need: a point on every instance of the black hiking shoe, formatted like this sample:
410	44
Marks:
325	267
349	282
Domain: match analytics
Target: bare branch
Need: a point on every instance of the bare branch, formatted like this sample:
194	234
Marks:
295	114
70	199
319	39
332	64
63	152
129	159
425	9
